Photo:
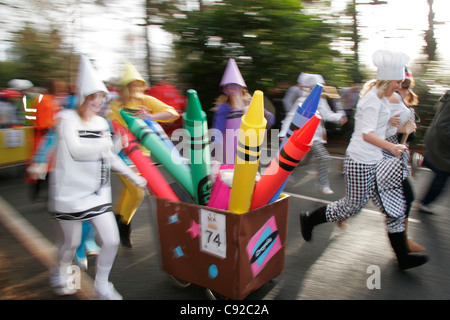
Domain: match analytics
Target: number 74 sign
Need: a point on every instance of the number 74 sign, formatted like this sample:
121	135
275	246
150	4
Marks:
213	229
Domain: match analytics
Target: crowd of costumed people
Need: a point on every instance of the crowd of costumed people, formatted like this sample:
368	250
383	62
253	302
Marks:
82	145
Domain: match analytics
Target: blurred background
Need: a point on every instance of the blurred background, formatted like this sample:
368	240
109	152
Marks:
188	42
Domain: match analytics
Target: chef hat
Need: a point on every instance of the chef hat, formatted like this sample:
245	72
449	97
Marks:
309	79
131	74
232	74
88	81
390	64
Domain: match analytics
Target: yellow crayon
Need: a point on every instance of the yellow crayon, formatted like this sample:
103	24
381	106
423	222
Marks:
251	136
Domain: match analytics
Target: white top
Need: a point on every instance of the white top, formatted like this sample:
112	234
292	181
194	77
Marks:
372	115
324	110
80	184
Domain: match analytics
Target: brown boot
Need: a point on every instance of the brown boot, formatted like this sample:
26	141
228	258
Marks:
414	247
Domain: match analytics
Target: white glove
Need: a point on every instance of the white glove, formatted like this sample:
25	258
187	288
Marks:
139	181
119	142
38	171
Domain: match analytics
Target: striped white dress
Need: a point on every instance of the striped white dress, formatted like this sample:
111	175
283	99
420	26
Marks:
80	184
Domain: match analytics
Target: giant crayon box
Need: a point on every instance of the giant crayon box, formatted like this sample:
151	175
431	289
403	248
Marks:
230	254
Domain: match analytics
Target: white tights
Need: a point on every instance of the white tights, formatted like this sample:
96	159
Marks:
108	233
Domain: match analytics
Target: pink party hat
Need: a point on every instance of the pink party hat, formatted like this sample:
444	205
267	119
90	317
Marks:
232	74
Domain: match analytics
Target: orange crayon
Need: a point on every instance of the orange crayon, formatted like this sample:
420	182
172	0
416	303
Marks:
284	163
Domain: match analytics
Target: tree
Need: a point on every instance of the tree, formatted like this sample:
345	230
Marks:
431	46
270	40
39	55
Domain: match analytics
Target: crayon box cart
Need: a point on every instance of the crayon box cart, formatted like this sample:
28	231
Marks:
228	254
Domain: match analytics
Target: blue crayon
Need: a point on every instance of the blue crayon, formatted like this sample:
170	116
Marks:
304	112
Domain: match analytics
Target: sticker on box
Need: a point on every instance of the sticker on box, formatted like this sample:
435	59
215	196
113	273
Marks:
213	233
263	245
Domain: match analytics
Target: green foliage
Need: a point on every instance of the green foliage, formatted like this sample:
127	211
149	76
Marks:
37	56
271	41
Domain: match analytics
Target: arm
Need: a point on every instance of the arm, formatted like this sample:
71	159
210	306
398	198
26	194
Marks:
328	115
442	124
269	117
118	165
290	97
79	151
159	111
373	138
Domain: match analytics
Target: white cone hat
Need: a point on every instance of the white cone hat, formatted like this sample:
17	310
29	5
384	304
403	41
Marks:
88	81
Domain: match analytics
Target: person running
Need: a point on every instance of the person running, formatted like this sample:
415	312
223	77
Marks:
364	168
80	186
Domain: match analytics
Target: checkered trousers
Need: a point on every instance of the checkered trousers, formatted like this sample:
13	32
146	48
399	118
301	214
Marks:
361	186
405	156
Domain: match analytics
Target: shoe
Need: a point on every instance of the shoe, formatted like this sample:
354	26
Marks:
107	293
416	160
124	232
92	248
59	283
424	208
404	258
341	224
81	261
309	220
414	246
326	190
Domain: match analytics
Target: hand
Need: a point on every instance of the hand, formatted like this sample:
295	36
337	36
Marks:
38	171
139	181
343	120
398	149
143	112
120	141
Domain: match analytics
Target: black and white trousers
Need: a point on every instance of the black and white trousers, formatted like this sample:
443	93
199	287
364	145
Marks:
380	182
321	156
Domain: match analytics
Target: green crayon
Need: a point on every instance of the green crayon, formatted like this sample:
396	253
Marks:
196	124
159	150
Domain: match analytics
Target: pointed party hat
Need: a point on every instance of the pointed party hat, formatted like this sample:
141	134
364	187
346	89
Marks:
88	81
131	74
232	74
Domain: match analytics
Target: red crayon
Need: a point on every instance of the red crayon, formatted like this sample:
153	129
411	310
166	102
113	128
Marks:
156	182
284	163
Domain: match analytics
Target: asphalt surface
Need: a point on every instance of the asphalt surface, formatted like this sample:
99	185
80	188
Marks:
353	262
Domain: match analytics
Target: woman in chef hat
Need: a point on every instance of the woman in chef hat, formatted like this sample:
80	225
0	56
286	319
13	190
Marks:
364	168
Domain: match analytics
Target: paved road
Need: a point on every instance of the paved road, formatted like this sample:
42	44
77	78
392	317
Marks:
338	264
